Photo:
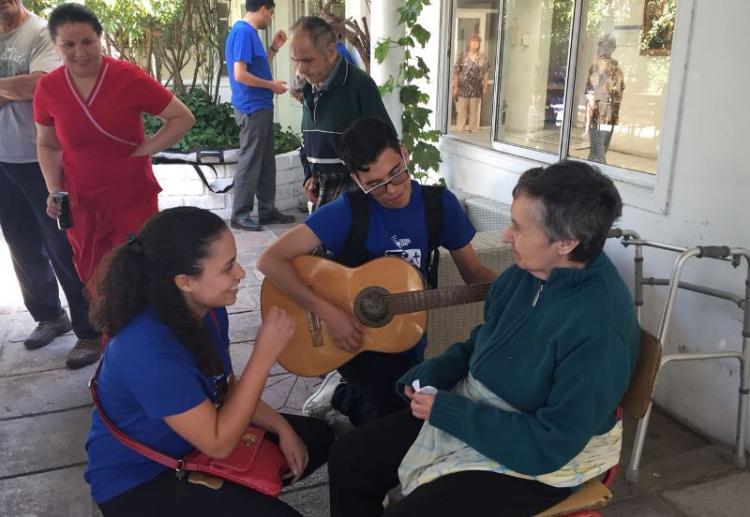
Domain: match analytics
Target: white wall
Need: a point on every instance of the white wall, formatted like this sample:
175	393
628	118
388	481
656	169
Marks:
708	205
383	25
525	68
288	111
430	20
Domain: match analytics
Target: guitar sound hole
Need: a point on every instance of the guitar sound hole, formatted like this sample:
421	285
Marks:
371	307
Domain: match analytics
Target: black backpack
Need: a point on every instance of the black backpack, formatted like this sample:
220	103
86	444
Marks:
354	253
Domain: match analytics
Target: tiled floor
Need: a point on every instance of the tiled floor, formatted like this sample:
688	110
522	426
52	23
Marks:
45	413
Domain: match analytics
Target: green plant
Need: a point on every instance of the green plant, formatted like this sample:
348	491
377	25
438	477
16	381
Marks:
658	25
284	140
415	132
179	42
41	7
215	126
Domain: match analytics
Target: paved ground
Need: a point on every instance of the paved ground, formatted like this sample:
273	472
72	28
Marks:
45	414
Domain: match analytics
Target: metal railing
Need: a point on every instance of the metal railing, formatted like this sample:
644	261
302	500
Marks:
734	256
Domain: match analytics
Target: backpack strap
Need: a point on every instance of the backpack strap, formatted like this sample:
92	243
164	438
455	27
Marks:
353	253
433	218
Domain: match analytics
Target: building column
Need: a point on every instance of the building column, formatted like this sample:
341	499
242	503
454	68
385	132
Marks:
384	24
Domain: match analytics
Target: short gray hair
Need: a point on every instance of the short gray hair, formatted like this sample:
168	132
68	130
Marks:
574	200
319	31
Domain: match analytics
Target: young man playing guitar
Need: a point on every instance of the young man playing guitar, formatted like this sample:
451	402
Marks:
396	225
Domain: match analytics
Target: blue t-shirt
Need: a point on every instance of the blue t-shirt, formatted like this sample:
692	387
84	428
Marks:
344	52
147	375
398	232
244	44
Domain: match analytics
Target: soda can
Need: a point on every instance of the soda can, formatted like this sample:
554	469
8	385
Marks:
65	219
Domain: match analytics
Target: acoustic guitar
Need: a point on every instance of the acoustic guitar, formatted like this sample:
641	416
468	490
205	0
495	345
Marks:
387	295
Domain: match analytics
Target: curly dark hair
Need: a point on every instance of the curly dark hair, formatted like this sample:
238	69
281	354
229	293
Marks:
141	273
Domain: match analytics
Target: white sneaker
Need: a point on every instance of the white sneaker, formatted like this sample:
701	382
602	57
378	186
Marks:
319	403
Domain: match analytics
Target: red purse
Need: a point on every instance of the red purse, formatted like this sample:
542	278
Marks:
255	462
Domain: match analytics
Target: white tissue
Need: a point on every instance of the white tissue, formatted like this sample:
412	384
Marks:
430	390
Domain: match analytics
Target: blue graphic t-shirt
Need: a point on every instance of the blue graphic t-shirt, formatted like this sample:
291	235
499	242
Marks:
147	375
244	44
398	232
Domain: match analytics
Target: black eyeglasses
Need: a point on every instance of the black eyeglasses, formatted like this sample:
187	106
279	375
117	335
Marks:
396	178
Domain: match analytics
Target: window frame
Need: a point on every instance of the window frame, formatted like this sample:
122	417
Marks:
651	192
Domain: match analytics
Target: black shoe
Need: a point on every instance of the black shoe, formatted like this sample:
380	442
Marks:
246	223
276	217
84	353
46	332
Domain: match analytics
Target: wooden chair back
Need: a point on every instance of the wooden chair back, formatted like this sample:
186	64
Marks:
637	398
594	493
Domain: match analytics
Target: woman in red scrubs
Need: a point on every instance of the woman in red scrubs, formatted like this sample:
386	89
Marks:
91	141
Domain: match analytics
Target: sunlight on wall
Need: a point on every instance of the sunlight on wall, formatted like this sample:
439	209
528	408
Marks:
10	293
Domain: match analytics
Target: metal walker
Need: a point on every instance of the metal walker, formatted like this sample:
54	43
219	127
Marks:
723	253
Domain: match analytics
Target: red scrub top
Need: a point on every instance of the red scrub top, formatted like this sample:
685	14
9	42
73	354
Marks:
99	134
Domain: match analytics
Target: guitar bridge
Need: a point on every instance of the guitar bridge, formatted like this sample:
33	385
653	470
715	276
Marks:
313	325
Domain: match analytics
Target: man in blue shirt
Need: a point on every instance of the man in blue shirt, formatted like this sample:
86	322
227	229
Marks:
253	89
378	165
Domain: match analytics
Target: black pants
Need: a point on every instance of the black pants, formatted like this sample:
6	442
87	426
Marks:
599	142
364	465
39	250
165	495
370	392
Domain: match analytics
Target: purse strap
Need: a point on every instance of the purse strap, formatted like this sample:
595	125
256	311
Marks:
127	441
123	438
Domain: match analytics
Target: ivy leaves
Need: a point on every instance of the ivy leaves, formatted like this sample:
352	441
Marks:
416	135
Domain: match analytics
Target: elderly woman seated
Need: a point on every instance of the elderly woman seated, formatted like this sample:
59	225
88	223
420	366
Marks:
524	409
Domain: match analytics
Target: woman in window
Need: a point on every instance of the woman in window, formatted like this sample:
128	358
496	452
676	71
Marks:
470	80
91	140
166	374
604	87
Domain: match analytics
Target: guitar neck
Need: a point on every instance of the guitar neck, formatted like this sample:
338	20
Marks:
416	301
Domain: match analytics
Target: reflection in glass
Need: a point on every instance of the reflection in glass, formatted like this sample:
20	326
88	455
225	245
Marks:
534	61
605	84
470	80
621	83
473	69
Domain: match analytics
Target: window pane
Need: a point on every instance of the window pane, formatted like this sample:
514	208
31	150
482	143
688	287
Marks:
536	36
621	82
474	47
